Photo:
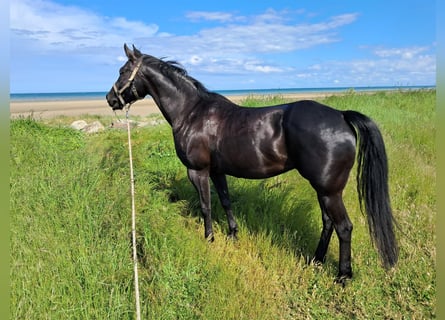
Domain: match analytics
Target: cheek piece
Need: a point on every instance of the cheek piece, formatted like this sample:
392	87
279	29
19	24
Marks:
130	84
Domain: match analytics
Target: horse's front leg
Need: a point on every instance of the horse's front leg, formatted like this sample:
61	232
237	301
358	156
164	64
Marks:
200	180
220	183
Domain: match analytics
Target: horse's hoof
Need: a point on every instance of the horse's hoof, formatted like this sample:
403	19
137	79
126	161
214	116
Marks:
315	262
232	237
210	238
343	279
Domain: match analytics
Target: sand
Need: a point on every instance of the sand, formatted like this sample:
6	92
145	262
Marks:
77	108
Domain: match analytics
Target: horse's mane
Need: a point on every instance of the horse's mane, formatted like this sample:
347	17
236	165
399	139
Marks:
172	68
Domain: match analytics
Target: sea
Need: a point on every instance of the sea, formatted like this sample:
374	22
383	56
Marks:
63	96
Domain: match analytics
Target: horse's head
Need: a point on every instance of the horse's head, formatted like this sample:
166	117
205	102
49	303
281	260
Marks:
125	89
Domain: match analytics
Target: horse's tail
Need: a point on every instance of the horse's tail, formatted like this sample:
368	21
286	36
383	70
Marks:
372	186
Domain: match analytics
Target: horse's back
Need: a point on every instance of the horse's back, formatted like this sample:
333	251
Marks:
320	143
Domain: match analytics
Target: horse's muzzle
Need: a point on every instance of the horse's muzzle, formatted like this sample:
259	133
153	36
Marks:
113	101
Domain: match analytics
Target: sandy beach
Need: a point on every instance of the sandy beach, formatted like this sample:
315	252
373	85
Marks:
77	108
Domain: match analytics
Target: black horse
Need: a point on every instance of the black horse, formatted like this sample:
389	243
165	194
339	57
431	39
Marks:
214	137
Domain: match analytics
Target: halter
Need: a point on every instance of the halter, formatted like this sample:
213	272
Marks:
128	84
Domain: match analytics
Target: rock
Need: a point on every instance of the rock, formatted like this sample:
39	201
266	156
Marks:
123	124
79	124
94	127
118	125
156	122
137	124
97	126
82	125
142	124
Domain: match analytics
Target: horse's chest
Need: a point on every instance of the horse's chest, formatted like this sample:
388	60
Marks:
193	148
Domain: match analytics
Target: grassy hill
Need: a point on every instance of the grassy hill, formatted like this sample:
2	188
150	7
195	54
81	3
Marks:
71	221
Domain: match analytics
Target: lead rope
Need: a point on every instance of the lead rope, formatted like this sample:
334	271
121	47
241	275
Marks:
133	222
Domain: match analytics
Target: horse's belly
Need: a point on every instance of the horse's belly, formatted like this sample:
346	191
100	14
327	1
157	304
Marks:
257	174
252	164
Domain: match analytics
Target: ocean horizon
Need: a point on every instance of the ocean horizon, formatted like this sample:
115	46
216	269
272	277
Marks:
60	96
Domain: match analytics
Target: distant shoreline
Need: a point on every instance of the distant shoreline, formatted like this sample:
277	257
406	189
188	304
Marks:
97	95
44	109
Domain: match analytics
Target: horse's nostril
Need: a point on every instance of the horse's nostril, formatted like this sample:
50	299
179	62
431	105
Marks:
112	100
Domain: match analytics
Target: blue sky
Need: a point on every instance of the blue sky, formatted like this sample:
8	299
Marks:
65	46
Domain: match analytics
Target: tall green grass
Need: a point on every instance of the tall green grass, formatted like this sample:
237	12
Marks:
70	228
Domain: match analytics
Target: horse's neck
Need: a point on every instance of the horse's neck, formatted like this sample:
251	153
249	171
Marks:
172	99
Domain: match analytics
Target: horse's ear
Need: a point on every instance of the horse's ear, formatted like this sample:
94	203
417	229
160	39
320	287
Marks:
137	53
129	53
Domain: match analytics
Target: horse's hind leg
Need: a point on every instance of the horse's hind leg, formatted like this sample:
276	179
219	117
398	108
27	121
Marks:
325	237
336	212
220	183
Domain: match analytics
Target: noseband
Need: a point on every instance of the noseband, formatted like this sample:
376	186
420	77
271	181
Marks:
128	84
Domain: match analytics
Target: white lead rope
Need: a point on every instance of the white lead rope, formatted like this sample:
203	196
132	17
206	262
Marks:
133	224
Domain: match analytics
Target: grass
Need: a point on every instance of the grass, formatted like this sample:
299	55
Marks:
70	228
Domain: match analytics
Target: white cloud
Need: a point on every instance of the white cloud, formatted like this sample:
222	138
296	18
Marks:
235	48
51	26
195	60
388	66
137	27
403	53
57	27
256	66
196	16
274	36
272	16
121	59
232	45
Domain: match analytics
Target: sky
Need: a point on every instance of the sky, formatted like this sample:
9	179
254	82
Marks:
77	46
